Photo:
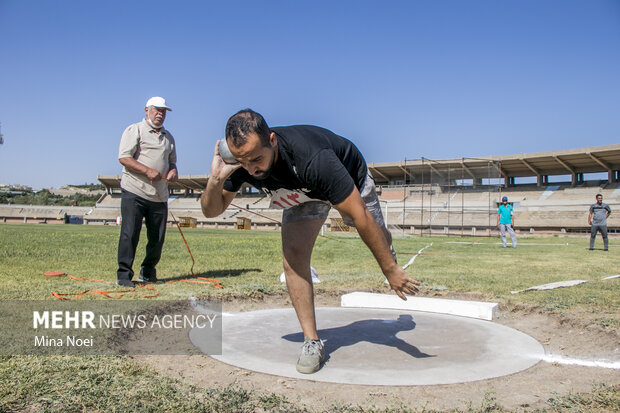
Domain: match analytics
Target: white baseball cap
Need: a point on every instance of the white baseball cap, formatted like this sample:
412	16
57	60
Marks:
158	102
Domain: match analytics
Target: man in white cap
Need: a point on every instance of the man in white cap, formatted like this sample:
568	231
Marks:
148	154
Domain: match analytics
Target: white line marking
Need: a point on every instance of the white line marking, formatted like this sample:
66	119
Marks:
498	243
550	358
412	259
551	286
415	256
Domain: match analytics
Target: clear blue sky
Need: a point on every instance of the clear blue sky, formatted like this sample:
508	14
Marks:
402	79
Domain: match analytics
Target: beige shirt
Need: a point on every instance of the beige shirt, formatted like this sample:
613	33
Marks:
155	150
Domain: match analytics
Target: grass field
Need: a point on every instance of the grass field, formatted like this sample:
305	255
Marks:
249	262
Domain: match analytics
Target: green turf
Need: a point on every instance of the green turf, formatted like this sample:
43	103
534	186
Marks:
250	261
247	262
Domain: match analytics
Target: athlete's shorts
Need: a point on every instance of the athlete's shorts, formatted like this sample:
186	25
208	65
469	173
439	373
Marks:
312	210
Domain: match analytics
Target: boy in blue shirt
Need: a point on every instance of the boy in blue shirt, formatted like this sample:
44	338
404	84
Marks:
505	221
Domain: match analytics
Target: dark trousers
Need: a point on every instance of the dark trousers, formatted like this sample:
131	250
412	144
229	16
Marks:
603	230
155	214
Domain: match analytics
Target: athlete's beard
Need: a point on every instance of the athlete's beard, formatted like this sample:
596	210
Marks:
266	173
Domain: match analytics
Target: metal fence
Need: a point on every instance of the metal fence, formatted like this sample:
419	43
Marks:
446	199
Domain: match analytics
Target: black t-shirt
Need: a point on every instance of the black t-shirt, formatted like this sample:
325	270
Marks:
311	160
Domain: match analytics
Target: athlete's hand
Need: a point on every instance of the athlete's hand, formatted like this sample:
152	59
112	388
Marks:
219	168
401	283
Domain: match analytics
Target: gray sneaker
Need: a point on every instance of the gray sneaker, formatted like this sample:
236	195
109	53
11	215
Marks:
311	357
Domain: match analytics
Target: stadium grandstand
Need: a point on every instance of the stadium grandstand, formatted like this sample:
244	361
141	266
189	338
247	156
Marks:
42	214
550	191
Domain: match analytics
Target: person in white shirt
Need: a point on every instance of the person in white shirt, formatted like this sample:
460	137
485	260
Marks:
148	154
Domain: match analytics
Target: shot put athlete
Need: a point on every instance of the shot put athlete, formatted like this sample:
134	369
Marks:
305	170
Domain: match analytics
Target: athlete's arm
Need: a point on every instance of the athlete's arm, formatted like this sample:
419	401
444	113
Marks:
372	235
215	199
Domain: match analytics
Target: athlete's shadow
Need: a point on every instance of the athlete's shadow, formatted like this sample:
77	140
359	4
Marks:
381	332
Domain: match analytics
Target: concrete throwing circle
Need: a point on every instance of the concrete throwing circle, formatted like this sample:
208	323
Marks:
376	346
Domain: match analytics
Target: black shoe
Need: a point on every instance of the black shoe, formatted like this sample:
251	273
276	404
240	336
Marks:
149	277
143	279
125	283
605	249
591	249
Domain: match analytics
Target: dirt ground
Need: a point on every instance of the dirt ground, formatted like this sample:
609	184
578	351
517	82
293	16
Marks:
530	389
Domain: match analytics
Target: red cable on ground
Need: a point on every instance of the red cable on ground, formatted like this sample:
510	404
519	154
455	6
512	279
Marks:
198	280
185	241
115	294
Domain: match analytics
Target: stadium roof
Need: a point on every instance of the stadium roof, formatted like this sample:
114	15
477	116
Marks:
567	162
540	164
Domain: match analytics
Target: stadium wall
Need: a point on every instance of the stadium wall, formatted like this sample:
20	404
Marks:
558	208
